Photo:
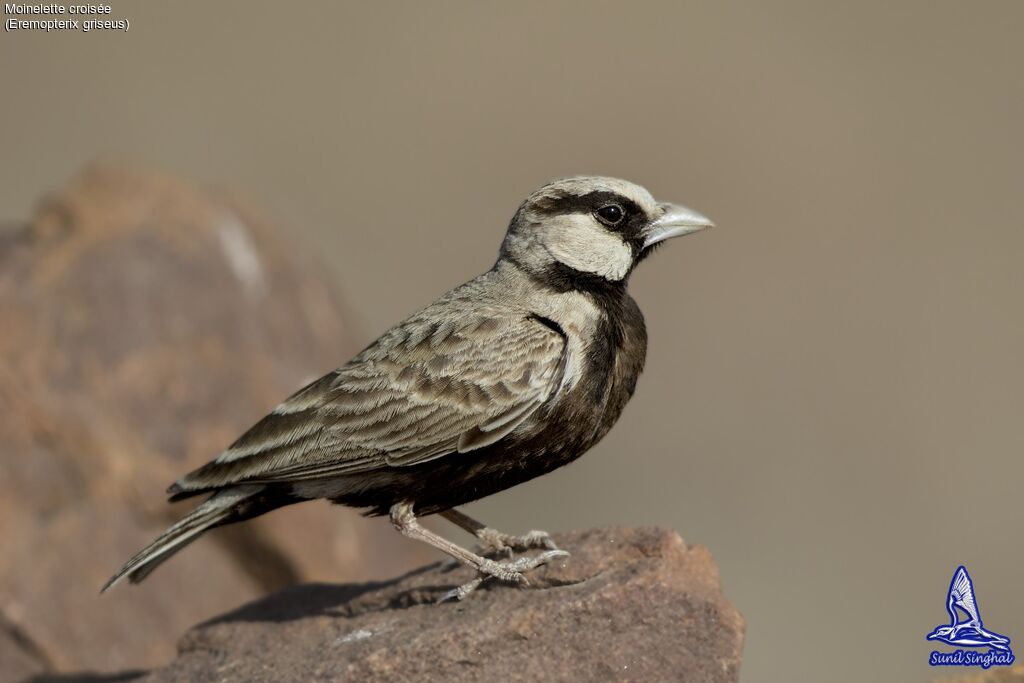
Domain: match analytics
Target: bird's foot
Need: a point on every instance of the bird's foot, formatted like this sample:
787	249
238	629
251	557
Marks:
498	543
512	571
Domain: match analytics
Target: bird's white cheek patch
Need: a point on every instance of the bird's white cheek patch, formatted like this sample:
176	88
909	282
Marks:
583	245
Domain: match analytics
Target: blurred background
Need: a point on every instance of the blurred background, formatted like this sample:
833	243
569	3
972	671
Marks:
834	392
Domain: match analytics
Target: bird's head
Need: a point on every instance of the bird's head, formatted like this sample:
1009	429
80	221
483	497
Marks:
940	633
593	226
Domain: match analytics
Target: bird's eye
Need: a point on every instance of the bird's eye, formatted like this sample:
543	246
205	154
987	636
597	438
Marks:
610	214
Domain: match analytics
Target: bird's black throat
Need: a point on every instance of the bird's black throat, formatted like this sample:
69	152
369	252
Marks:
606	294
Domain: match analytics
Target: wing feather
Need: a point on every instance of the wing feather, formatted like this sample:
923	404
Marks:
961	593
439	383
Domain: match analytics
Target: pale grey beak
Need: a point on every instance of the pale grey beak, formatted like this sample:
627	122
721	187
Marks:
675	221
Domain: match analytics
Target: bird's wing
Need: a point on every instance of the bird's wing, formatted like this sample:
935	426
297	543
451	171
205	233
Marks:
434	385
961	593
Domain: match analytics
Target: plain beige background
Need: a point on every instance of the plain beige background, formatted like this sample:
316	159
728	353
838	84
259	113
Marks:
834	394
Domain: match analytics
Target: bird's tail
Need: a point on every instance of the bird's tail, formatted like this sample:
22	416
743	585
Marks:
225	506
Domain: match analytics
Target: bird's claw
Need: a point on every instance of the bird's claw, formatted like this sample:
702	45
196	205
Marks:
462	591
502	544
510	572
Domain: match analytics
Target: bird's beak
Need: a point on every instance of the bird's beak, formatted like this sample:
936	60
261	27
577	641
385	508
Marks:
675	221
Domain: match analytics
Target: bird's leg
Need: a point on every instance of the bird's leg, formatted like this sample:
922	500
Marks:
404	519
496	542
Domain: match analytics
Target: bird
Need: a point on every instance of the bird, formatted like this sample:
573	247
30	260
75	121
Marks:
507	377
970	632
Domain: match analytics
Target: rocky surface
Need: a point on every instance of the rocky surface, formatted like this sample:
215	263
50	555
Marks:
145	323
19	658
997	674
628	605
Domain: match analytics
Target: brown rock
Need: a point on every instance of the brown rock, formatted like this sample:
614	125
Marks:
629	605
146	323
997	674
19	656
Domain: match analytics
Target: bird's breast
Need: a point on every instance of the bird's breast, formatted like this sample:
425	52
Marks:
607	347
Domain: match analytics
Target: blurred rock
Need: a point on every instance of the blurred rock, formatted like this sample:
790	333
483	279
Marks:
19	656
629	605
146	323
996	674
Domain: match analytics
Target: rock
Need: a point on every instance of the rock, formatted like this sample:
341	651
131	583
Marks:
146	323
19	656
997	674
629	605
